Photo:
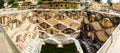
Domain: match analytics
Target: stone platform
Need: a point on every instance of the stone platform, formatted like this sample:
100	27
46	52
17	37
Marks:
4	46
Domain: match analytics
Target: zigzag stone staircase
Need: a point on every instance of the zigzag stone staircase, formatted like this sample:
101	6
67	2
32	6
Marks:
29	28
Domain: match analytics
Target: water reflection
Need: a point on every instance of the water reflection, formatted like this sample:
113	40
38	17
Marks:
48	48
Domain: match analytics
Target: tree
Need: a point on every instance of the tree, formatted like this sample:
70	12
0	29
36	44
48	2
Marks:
39	1
1	4
10	1
15	5
109	2
20	0
98	1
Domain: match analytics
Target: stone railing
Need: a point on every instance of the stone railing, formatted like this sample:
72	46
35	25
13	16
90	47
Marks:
111	40
10	9
9	41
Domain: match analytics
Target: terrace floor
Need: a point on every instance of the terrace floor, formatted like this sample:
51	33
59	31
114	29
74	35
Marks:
4	47
3	43
115	46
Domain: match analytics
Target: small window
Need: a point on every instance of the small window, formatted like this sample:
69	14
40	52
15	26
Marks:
51	5
56	5
61	5
71	5
65	5
81	4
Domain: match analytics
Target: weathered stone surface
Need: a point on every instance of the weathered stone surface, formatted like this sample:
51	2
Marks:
58	25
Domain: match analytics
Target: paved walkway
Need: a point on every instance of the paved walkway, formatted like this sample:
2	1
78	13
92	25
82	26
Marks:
115	47
3	44
6	44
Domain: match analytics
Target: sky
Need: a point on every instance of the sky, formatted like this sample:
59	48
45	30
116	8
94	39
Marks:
114	1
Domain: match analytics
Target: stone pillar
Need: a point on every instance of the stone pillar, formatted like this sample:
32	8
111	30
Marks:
3	20
10	25
6	19
0	19
17	23
14	25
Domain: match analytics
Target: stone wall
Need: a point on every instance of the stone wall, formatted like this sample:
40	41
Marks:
53	5
116	6
99	6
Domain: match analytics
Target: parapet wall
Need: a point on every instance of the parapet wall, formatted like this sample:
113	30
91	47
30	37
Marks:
10	9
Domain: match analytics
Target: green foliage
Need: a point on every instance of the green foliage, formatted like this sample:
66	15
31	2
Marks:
40	1
69	7
10	1
109	2
1	4
98	1
15	5
20	0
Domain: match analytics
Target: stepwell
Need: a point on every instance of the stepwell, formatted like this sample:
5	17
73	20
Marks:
88	31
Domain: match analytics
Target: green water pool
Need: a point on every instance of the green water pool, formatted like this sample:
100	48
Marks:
53	49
